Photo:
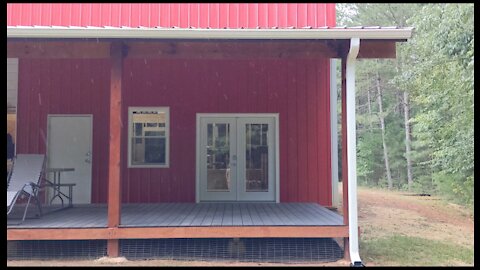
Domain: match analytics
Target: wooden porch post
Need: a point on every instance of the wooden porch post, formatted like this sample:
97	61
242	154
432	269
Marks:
344	155
114	191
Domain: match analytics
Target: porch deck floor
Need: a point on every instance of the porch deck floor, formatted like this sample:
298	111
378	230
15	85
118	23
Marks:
188	215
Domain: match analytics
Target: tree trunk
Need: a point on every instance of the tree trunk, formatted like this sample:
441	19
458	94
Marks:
382	126
406	113
369	110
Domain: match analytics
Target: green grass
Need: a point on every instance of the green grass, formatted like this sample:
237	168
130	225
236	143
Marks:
413	251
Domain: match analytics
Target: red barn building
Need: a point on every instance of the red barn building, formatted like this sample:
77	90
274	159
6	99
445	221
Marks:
173	114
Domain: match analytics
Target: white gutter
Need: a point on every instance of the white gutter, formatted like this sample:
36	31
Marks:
186	33
352	152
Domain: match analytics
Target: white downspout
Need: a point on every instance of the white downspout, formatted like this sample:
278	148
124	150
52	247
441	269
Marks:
352	152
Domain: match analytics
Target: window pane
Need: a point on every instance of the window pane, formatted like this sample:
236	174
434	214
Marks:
218	157
148	151
154	133
137	129
256	158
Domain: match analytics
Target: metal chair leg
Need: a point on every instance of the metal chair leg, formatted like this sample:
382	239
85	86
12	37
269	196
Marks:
39	205
26	208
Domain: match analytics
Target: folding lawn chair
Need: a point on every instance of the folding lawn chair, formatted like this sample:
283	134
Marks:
24	179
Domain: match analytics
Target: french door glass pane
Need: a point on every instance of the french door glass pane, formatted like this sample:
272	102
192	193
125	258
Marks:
218	157
256	155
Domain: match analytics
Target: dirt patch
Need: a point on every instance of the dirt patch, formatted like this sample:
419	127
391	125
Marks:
383	213
432	208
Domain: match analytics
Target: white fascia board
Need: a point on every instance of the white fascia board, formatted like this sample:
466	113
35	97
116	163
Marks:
182	33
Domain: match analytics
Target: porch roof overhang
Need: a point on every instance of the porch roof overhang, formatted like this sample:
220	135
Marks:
93	42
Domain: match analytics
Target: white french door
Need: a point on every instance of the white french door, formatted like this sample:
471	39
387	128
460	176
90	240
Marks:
236	158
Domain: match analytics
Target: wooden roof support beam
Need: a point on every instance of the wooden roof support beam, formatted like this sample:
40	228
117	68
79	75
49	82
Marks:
377	49
116	123
58	49
229	49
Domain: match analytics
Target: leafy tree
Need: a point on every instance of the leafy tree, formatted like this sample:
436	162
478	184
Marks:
427	95
442	87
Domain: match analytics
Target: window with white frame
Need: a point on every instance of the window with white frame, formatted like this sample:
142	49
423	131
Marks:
148	139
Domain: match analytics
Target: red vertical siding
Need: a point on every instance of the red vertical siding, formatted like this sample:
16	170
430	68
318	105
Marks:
296	89
214	86
247	15
64	87
292	146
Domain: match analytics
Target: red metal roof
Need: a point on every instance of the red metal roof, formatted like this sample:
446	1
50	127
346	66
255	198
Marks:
243	15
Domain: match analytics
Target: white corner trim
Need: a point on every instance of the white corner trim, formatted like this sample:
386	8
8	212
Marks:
197	159
334	131
277	157
352	151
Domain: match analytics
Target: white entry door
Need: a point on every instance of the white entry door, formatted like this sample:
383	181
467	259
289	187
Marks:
70	146
236	158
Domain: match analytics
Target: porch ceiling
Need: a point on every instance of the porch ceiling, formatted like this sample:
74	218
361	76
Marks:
88	49
94	42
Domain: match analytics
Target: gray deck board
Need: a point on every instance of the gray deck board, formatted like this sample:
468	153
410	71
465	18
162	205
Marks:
310	208
134	212
227	215
182	212
281	214
302	217
274	218
150	214
207	221
189	214
165	215
237	215
218	217
264	215
95	218
311	215
201	212
245	216
256	220
333	216
293	218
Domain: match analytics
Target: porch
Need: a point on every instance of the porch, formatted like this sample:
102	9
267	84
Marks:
184	220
